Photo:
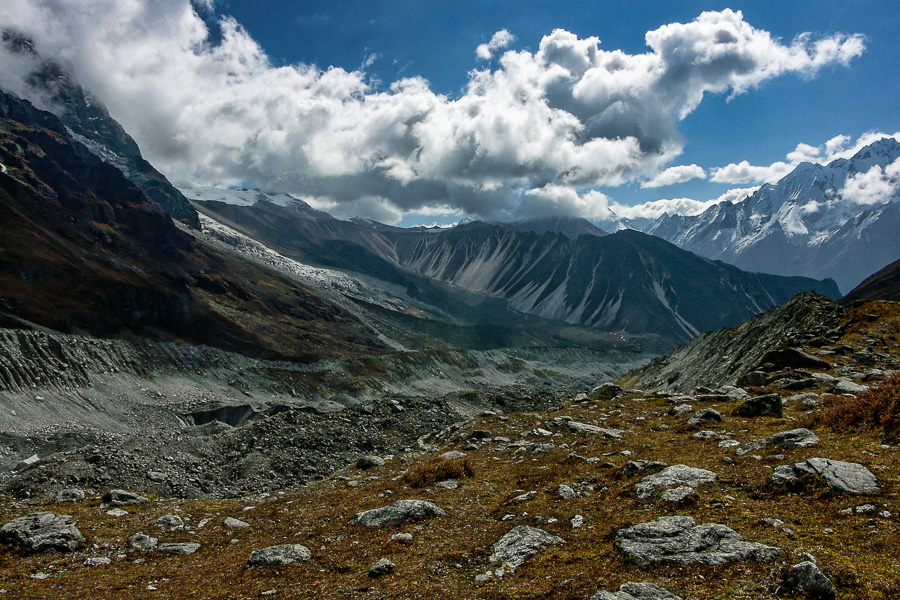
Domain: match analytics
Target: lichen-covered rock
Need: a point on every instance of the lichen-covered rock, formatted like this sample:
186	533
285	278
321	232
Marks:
398	513
842	477
279	556
794	438
519	543
676	475
637	591
42	531
681	540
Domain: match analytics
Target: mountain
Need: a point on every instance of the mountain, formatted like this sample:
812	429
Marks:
88	121
82	249
625	282
801	225
883	285
571	227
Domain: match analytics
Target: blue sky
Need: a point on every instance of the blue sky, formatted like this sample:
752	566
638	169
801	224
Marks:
384	109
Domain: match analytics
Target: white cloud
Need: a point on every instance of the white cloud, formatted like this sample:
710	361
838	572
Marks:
568	114
561	200
676	174
499	41
875	186
744	172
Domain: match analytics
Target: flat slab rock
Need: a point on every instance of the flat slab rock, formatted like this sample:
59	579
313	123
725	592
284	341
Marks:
674	476
637	591
279	556
577	427
398	513
680	540
794	438
42	531
519	543
844	477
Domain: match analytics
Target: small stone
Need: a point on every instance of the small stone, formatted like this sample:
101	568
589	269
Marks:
381	567
577	427
525	497
770	404
606	391
703	415
122	498
96	561
846	386
681	409
447	484
117	512
676	475
156	476
794	438
279	556
173	522
70	495
637	591
565	492
369	462
143	542
182	548
512	549
577	521
232	523
402	538
453	455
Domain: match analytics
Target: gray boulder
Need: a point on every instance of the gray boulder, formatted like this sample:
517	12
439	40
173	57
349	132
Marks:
606	391
70	495
811	581
703	415
173	522
398	513
122	498
42	531
681	495
842	477
637	591
381	567
279	556
794	438
143	542
846	386
519	543
681	540
792	358
676	475
577	427
770	404
753	379
565	492
232	523
182	548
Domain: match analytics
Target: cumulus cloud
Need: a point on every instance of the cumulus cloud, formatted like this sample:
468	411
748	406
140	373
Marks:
499	41
875	186
566	115
840	146
676	174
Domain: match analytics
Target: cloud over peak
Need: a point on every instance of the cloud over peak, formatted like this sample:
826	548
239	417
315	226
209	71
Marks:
567	115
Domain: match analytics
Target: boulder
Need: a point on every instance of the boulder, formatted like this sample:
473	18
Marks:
680	495
518	544
792	358
681	540
42	531
770	404
70	495
173	522
232	523
606	391
637	591
97	561
676	475
279	556
794	438
143	542
577	427
398	513
753	379
846	386
811	581
453	455
381	567
703	415
841	477
182	548
369	462
565	492
122	498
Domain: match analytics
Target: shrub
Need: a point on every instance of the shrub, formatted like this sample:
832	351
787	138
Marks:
877	408
438	469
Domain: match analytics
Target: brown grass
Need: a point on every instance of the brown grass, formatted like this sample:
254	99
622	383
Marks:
438	469
878	408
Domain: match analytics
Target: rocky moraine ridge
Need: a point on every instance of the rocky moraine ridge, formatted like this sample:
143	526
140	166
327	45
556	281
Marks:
758	487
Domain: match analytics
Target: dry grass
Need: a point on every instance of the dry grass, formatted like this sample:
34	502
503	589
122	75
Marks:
878	408
439	469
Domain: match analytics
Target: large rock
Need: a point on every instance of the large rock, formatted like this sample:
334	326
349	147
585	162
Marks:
606	391
674	476
792	358
577	427
519	543
70	495
681	540
122	498
381	567
770	404
637	591
811	581
42	531
794	438
703	415
369	462
398	513
842	477
182	548
279	556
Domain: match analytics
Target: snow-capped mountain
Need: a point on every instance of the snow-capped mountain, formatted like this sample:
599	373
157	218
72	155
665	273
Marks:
818	221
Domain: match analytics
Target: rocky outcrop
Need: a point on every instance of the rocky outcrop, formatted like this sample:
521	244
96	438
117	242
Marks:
42	531
681	540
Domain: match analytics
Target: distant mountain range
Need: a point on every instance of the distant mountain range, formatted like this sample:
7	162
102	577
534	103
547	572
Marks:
802	225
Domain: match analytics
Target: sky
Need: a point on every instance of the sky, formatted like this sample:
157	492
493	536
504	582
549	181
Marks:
411	112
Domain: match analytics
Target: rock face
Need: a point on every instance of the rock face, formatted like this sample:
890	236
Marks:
42	531
674	476
398	513
842	477
279	556
770	404
794	438
519	543
637	591
811	581
681	540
